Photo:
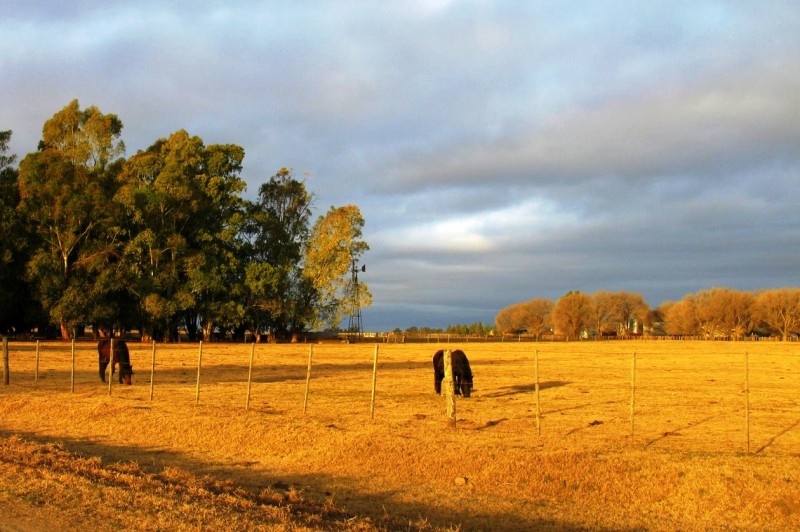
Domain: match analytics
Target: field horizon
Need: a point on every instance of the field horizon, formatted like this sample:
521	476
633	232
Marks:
686	465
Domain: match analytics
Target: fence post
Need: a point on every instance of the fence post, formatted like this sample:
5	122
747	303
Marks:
6	377
111	363
152	369
72	369
633	390
36	372
747	398
449	388
250	375
199	363
374	379
536	387
308	378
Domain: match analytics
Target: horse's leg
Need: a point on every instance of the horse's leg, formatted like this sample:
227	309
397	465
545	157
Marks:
103	366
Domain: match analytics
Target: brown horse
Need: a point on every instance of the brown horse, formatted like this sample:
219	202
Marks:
462	373
121	355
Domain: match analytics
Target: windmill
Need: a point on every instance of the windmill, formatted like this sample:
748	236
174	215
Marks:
354	326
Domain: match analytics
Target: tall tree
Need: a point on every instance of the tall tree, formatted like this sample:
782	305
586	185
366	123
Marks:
9	198
65	189
335	245
14	297
184	211
276	296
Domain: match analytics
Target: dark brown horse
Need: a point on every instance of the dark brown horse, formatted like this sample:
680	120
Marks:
462	373
121	355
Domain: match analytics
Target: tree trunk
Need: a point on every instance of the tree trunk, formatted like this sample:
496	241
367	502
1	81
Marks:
208	328
64	329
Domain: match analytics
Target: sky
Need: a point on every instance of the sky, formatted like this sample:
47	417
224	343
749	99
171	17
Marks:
498	151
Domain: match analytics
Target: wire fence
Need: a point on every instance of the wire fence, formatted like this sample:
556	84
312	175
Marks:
679	394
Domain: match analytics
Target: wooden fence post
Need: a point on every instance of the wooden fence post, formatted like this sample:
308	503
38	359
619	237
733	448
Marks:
6	376
152	369
747	398
374	379
36	372
111	364
72	369
449	388
308	378
199	363
250	376
536	385
633	390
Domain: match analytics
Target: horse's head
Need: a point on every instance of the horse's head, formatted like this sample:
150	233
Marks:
125	373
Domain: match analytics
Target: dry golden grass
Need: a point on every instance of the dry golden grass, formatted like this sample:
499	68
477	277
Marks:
685	466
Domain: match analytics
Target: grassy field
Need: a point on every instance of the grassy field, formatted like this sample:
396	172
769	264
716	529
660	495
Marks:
188	461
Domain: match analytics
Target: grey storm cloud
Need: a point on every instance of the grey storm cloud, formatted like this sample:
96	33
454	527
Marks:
498	150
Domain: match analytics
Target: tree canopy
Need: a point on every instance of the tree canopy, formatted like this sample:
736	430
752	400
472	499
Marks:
723	313
165	239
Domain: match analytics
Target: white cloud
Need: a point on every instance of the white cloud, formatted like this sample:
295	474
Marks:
498	150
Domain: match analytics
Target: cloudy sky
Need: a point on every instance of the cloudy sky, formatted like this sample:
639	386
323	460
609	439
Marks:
498	151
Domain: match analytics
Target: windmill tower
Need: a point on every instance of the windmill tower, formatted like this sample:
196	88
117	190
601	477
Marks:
354	330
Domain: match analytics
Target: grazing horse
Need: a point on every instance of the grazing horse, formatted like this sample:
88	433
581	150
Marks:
120	355
462	373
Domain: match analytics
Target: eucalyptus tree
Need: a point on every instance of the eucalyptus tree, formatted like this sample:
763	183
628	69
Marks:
276	296
9	199
13	245
65	189
334	247
183	209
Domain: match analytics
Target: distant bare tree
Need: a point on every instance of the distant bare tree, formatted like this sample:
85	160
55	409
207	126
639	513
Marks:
631	309
725	312
571	314
680	317
511	319
603	312
779	309
538	315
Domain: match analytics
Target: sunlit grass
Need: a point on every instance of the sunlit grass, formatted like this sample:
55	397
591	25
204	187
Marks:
685	466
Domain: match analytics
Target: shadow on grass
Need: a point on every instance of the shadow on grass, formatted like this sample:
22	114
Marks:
778	435
525	388
381	507
676	432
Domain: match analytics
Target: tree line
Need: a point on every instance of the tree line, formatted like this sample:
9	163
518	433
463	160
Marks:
712	313
477	328
164	239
